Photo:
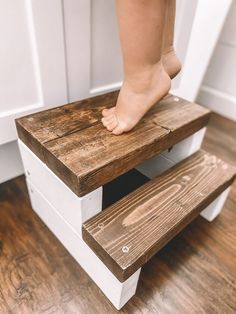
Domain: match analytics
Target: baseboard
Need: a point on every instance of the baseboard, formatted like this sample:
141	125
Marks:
217	101
10	161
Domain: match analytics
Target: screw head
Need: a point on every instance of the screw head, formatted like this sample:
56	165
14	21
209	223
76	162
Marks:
125	249
185	179
100	225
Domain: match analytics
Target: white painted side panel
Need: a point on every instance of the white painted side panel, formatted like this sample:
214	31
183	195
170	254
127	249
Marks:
158	164
75	210
118	293
186	147
214	209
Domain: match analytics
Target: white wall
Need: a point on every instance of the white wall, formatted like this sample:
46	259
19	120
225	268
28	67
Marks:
218	91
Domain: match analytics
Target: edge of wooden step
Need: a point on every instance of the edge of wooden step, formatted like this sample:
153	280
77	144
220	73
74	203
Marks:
160	135
104	244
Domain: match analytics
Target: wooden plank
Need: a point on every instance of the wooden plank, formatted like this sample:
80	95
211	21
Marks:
128	233
42	127
73	143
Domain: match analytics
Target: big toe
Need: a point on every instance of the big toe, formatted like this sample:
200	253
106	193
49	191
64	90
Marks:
110	122
120	128
112	125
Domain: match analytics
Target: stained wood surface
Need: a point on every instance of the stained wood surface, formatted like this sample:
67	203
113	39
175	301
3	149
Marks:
195	273
73	143
128	233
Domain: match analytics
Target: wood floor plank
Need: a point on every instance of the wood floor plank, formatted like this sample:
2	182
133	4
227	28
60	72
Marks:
73	143
128	233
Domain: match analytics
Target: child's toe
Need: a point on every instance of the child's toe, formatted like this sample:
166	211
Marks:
106	112
111	126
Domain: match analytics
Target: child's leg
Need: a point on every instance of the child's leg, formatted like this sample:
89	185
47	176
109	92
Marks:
141	26
170	61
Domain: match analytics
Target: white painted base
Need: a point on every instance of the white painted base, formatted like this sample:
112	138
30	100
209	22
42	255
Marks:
214	209
75	210
117	292
158	164
10	162
64	213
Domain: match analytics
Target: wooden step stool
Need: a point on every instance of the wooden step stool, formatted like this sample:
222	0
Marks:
68	156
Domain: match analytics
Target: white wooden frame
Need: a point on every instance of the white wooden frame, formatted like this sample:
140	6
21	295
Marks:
64	217
160	163
215	208
117	292
74	209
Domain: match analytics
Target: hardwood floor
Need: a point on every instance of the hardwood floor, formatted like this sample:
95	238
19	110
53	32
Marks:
194	273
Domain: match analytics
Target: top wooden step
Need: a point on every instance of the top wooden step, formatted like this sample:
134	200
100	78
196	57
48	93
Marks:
73	143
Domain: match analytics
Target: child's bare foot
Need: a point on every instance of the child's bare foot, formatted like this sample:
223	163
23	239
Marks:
137	95
171	63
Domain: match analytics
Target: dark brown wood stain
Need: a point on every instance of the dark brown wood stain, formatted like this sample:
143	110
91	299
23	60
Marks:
73	143
195	273
140	224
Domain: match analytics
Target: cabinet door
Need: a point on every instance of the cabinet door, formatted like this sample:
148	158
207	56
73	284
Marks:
33	65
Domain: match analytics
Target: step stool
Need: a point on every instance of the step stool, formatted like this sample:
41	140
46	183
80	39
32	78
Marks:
68	156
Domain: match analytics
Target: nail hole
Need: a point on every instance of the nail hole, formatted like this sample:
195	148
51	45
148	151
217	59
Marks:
125	249
28	173
185	179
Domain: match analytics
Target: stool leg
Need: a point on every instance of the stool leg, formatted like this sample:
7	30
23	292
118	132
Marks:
158	164
214	209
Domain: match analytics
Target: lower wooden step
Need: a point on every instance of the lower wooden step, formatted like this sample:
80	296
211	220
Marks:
128	233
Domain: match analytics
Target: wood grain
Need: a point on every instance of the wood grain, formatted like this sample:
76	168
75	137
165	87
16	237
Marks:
195	273
73	143
128	233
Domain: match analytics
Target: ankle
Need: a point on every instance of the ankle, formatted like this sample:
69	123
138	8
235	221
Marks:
170	50
144	78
